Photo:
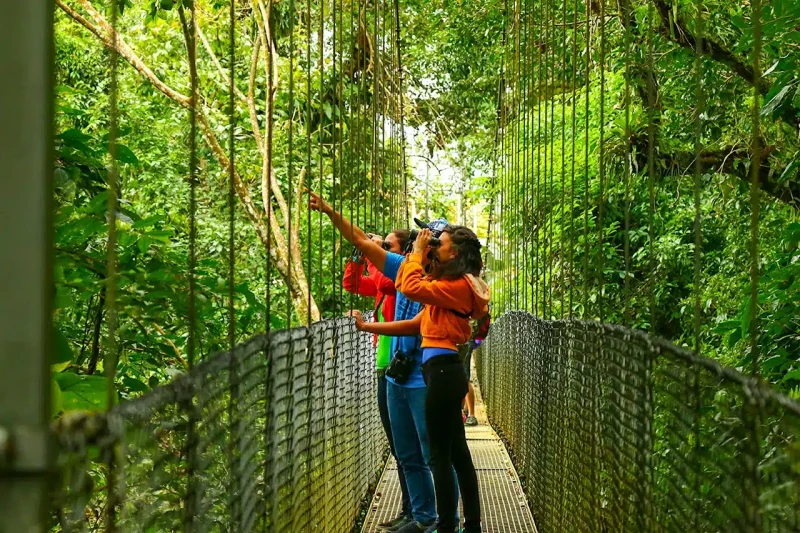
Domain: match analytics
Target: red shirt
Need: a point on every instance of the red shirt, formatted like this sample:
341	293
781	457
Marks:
374	283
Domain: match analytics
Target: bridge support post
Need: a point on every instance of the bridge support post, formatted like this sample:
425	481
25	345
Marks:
26	170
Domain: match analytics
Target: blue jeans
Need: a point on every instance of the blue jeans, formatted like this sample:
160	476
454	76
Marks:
383	409
412	449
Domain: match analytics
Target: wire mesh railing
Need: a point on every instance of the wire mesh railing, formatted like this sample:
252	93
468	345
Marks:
613	430
280	434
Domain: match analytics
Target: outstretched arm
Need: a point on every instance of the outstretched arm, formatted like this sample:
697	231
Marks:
351	232
399	328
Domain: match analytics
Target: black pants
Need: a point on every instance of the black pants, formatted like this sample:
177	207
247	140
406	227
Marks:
447	386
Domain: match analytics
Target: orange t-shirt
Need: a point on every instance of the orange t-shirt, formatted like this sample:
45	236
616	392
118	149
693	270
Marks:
441	328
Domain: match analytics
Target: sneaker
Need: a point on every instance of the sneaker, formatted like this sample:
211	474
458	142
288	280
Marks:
471	421
399	520
412	527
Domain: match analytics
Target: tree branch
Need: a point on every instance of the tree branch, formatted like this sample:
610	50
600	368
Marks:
732	161
225	78
103	31
675	30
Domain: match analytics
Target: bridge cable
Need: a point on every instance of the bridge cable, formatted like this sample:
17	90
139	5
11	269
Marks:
574	80
651	172
755	189
111	356
601	167
626	176
586	128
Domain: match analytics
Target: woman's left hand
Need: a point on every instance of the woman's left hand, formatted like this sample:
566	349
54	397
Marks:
422	242
358	319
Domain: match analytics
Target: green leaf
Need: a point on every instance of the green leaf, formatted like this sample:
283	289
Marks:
86	393
62	353
747	316
147	222
794	374
144	244
328	111
775	106
126	155
56	398
134	384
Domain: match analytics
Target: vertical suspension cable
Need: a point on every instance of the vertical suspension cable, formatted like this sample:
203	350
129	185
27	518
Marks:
587	108
601	167
526	84
698	148
574	78
347	156
517	152
233	376
537	213
111	356
407	218
546	141
290	170
309	173
551	129
270	492
755	190
503	244
626	314
651	173
561	262
190	30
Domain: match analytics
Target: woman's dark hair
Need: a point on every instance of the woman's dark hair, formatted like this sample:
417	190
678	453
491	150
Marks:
402	237
468	255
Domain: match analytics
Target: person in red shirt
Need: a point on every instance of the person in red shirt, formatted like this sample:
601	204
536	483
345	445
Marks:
374	283
382	288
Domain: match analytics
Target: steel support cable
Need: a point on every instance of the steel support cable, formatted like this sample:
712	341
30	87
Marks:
586	127
504	244
309	171
192	488
527	151
110	359
290	166
561	219
400	95
601	168
234	444
626	296
651	172
550	130
269	509
537	222
574	79
755	189
698	247
547	142
516	154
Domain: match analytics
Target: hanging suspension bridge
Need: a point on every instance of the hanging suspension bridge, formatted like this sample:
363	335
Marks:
593	422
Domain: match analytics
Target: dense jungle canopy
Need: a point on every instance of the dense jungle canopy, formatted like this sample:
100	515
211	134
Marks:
442	108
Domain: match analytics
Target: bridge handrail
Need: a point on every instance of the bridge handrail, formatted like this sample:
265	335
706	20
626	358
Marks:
281	433
614	430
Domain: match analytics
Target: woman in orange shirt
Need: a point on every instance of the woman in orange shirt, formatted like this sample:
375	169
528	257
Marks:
452	293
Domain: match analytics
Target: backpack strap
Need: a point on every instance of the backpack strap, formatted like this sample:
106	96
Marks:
457	313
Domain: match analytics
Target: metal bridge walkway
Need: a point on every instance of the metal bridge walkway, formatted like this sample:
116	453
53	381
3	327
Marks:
504	508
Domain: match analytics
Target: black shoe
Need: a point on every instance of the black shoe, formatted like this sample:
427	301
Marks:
412	527
392	523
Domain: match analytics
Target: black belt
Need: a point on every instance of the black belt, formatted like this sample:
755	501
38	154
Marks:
444	359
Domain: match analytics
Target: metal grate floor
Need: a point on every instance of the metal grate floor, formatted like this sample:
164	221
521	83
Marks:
503	505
